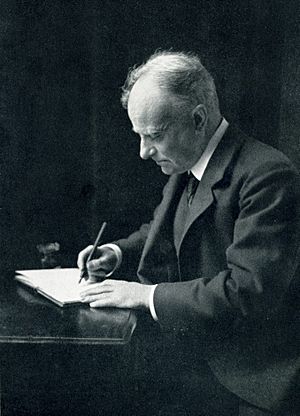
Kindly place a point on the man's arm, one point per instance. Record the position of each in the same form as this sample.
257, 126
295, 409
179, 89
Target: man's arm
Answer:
261, 259
131, 248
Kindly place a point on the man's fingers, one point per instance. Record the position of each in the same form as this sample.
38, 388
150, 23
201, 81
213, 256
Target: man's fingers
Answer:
102, 303
96, 288
94, 298
82, 257
94, 265
95, 277
100, 300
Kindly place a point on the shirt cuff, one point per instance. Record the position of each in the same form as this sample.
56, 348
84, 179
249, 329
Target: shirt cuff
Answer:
151, 303
118, 252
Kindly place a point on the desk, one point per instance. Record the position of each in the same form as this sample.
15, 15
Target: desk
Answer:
26, 317
61, 360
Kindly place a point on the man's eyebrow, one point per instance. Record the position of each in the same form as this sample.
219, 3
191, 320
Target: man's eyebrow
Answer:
163, 126
158, 129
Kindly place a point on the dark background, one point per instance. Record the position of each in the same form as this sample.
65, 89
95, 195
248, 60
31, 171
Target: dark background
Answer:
68, 157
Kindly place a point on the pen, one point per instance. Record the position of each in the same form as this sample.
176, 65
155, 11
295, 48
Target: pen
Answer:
82, 273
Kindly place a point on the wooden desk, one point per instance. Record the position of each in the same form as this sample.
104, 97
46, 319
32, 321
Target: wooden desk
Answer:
26, 317
56, 360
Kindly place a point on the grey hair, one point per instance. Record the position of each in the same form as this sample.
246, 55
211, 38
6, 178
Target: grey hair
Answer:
179, 73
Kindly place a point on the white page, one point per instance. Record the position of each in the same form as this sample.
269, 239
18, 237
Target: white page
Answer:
61, 284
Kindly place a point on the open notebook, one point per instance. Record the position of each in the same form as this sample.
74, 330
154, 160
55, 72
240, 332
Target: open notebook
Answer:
59, 285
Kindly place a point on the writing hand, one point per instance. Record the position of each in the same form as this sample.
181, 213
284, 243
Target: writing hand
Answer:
117, 293
99, 267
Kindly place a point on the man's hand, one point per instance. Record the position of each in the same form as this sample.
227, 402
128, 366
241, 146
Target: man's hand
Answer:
117, 293
98, 268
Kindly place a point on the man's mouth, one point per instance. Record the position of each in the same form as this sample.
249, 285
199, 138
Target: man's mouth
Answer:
161, 162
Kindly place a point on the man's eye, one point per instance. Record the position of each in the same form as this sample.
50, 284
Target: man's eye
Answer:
152, 136
155, 136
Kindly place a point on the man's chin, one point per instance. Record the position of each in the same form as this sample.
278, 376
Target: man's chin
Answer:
167, 167
167, 170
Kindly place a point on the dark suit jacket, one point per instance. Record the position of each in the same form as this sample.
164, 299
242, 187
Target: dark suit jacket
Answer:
231, 283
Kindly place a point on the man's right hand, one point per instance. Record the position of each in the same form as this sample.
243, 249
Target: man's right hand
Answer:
97, 269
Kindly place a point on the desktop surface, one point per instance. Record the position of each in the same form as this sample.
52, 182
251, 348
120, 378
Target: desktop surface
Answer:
27, 317
74, 360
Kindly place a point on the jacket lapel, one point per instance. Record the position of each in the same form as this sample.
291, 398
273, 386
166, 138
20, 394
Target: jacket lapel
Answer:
159, 246
217, 169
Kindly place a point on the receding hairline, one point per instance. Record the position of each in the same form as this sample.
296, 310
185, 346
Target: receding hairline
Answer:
180, 73
174, 102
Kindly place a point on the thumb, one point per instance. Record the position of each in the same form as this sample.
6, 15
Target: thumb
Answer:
94, 265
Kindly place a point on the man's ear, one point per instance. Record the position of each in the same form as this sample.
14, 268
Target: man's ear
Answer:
200, 116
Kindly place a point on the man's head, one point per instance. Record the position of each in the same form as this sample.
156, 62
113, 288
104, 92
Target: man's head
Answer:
173, 106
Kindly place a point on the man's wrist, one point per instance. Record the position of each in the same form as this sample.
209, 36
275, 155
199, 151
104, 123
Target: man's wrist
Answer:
118, 253
151, 303
143, 293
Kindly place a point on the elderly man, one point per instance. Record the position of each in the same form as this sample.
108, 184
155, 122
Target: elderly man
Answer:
218, 261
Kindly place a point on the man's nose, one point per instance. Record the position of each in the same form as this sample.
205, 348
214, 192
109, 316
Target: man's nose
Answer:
146, 149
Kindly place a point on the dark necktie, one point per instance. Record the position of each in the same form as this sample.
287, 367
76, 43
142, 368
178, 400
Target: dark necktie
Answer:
191, 187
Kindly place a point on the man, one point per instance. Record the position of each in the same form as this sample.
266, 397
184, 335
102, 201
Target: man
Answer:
218, 262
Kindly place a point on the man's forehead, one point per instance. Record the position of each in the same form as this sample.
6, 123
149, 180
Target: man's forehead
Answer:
147, 99
146, 89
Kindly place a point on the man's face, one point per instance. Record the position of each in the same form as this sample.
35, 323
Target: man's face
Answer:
167, 131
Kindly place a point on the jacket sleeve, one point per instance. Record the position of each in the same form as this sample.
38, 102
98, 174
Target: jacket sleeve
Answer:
132, 246
261, 260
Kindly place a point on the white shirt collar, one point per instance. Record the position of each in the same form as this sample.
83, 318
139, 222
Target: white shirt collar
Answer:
199, 168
